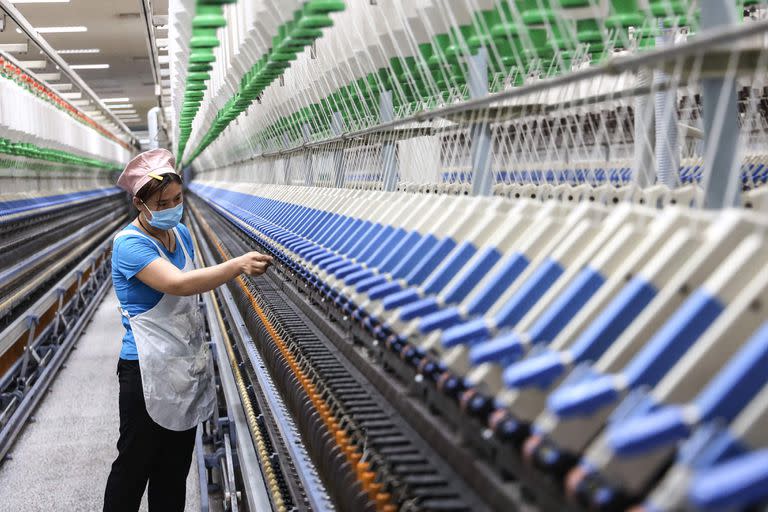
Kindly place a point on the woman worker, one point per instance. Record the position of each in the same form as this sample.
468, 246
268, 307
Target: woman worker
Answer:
165, 369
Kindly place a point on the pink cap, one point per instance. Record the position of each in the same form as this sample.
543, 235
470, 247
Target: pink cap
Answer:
144, 167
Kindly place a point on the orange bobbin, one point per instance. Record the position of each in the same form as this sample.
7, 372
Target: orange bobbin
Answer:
362, 467
382, 500
374, 488
341, 439
354, 458
366, 478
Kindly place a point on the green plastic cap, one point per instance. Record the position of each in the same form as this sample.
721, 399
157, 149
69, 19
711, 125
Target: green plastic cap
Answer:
198, 76
324, 6
315, 21
203, 38
202, 56
208, 16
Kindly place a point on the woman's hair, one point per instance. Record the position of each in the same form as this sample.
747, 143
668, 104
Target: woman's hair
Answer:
154, 186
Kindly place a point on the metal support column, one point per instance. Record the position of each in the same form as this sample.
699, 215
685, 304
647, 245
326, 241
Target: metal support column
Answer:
287, 161
645, 134
337, 126
309, 178
721, 130
480, 132
667, 132
388, 149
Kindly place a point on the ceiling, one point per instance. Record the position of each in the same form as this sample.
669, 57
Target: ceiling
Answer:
116, 29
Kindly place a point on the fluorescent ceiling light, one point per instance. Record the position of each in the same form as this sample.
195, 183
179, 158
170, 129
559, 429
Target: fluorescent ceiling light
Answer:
60, 30
57, 30
121, 105
15, 47
48, 77
78, 50
80, 103
33, 64
124, 112
115, 100
89, 66
71, 95
61, 87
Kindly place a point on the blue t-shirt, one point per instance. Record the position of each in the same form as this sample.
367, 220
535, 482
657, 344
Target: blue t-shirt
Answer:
130, 254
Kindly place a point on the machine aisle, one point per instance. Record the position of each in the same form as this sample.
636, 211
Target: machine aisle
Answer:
61, 460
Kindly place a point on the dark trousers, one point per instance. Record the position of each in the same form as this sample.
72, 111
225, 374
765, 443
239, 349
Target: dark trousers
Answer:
147, 452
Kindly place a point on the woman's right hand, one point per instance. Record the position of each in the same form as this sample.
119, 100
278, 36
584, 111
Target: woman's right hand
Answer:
254, 263
166, 277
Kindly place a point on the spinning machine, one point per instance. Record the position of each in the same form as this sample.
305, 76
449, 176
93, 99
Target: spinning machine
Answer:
520, 248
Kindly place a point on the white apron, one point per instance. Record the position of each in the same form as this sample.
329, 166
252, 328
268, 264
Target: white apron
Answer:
174, 358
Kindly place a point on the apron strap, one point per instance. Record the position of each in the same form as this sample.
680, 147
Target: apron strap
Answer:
180, 241
134, 233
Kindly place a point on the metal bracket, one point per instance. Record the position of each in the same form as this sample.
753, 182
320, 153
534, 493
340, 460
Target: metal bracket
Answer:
337, 125
231, 494
720, 115
480, 133
60, 292
32, 322
389, 148
202, 474
306, 133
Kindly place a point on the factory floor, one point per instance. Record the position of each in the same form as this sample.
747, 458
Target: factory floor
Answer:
61, 461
